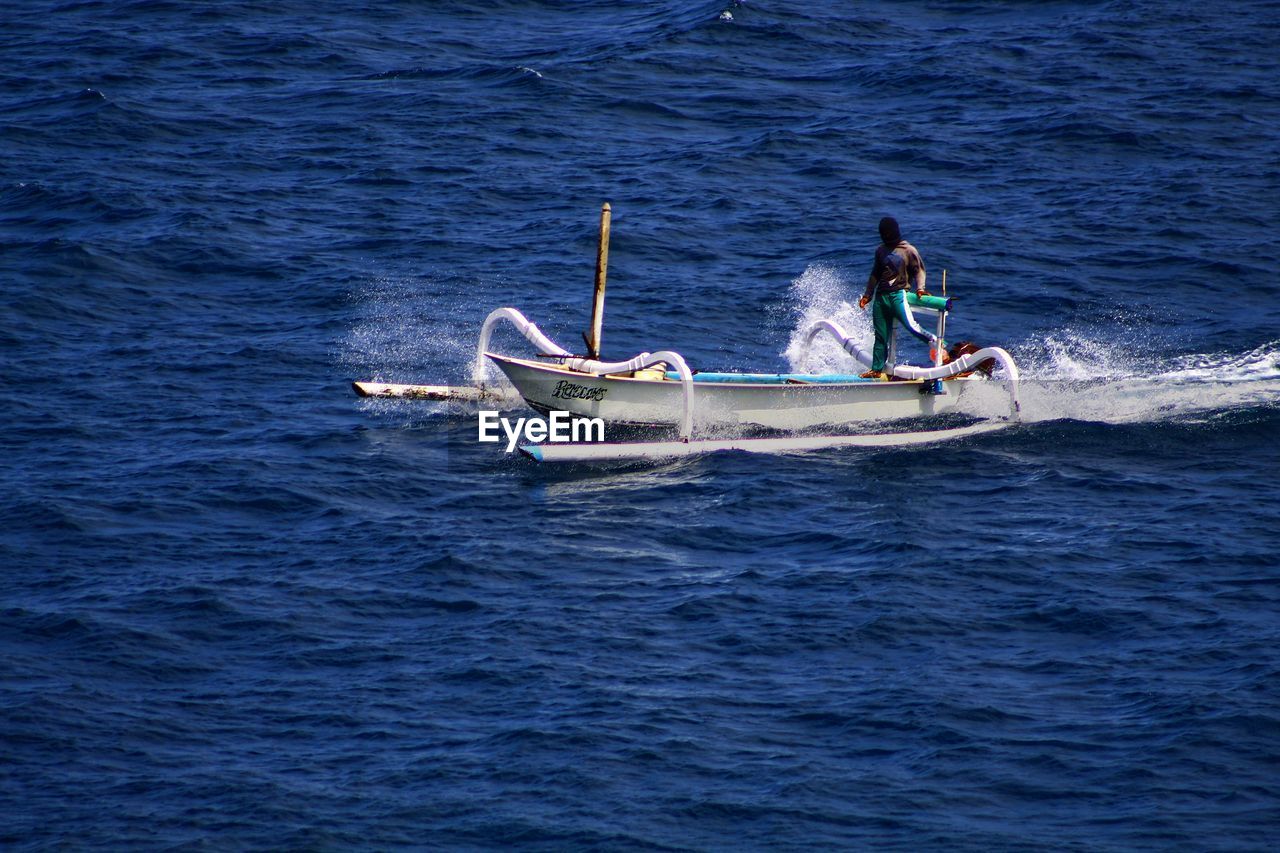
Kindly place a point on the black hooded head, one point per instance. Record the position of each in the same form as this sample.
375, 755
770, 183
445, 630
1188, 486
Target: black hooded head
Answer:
889, 232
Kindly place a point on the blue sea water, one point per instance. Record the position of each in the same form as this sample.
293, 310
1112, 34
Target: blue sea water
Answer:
242, 608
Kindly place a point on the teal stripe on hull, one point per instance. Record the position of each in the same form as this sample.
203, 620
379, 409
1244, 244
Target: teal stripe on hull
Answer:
775, 378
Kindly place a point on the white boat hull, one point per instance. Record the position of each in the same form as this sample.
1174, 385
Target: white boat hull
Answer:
784, 406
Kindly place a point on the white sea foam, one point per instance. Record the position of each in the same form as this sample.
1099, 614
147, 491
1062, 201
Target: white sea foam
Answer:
1069, 355
821, 293
1074, 377
408, 333
405, 332
1260, 363
1066, 375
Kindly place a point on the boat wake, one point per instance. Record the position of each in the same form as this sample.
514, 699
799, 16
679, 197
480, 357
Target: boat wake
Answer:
1066, 375
1074, 378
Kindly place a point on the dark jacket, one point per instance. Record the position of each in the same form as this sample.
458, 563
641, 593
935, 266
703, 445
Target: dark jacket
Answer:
895, 268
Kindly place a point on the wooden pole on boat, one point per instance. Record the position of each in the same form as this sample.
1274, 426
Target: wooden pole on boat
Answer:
602, 269
942, 326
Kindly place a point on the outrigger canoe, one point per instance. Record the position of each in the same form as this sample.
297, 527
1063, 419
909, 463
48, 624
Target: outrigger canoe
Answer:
645, 390
658, 388
786, 401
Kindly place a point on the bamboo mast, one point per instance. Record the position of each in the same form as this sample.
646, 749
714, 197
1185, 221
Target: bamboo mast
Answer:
602, 269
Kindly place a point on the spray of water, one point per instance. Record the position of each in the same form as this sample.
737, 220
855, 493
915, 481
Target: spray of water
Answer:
406, 332
1068, 374
822, 293
1068, 355
1076, 378
409, 332
1260, 363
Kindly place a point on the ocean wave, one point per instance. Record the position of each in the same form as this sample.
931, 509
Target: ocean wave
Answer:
238, 597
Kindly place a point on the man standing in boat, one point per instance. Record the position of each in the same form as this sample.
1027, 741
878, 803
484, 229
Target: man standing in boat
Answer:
897, 266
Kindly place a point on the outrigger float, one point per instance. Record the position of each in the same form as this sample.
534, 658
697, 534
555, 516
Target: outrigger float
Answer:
659, 389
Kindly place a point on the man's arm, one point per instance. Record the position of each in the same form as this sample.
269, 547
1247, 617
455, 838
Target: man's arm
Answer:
871, 281
919, 265
866, 294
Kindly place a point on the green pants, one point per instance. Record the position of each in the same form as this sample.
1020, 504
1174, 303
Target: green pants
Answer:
885, 309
